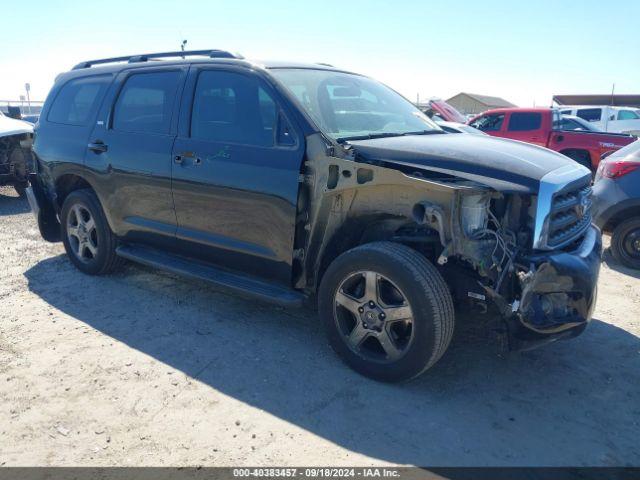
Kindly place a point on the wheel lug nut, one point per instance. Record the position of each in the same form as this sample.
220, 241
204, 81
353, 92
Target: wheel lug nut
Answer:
361, 309
371, 304
365, 325
382, 316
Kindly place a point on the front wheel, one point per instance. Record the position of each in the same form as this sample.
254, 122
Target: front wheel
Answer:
387, 311
625, 243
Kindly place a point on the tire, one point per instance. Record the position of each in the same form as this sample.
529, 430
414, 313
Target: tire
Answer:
99, 251
623, 239
399, 272
581, 157
21, 189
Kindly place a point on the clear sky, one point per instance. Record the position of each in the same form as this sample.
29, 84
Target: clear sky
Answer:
524, 51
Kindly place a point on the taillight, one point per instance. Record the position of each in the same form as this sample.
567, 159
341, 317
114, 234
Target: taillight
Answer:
618, 168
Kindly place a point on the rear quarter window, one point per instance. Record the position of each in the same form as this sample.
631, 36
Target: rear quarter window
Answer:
78, 100
523, 121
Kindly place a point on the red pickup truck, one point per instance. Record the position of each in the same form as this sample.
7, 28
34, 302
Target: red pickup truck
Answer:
542, 126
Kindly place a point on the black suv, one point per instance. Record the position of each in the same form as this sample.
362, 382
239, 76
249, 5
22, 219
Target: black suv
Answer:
294, 182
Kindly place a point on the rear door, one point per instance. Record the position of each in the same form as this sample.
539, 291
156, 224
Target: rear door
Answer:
130, 152
526, 127
235, 173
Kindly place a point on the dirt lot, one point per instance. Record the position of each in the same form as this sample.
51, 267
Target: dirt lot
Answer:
142, 368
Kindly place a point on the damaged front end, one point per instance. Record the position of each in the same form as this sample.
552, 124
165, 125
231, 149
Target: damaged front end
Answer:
16, 138
558, 294
524, 247
544, 262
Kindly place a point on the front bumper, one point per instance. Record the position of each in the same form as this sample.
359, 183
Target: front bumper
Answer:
558, 296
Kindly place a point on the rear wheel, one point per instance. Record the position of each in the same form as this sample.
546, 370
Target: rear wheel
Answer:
86, 235
581, 157
21, 188
625, 243
387, 311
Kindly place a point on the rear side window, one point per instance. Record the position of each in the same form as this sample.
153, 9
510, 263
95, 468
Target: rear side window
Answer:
229, 107
145, 103
523, 121
78, 100
590, 114
489, 123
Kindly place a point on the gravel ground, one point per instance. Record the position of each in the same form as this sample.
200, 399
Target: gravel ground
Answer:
143, 368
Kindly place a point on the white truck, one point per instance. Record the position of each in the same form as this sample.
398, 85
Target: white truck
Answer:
607, 118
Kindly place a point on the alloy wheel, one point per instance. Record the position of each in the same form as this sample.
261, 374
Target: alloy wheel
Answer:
82, 233
374, 317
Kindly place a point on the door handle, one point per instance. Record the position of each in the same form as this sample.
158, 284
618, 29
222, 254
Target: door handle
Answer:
180, 158
559, 138
98, 146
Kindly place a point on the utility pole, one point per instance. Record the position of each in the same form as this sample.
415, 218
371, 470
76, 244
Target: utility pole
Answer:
613, 89
27, 87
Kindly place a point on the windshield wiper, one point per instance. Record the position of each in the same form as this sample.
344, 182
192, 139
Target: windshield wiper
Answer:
370, 136
425, 132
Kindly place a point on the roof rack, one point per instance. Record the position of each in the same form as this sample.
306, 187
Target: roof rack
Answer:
150, 56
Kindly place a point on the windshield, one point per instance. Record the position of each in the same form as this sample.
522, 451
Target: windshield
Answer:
347, 107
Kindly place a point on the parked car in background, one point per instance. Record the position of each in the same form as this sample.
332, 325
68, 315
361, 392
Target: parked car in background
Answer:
616, 203
15, 152
544, 127
299, 183
454, 127
606, 118
31, 118
439, 110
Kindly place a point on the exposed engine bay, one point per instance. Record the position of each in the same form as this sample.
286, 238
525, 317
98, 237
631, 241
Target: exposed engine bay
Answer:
16, 138
481, 239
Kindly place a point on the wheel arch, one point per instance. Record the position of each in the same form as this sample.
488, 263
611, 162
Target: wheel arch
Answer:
67, 183
623, 212
357, 231
572, 153
73, 181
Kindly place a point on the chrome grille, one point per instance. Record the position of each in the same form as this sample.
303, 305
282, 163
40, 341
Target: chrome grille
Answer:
570, 216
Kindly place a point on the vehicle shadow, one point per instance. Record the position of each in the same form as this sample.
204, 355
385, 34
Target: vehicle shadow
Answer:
11, 203
571, 403
613, 264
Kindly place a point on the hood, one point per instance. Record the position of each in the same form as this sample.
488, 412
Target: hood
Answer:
10, 126
504, 165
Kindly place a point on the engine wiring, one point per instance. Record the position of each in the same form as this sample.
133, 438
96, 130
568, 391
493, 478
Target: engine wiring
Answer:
505, 240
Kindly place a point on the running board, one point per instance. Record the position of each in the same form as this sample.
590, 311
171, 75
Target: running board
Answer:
229, 281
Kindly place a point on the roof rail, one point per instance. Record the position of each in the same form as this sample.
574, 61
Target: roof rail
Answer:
150, 56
